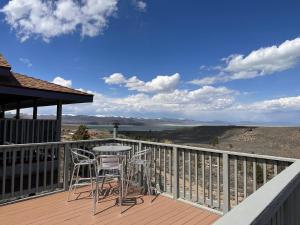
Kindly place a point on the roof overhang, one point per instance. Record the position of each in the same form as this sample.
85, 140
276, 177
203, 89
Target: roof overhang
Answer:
13, 97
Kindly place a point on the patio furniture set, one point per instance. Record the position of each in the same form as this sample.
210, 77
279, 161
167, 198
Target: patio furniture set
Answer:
109, 162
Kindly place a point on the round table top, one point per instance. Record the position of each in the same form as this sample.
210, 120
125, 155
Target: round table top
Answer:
112, 148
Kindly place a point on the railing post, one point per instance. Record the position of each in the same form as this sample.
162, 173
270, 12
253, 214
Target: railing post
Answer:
226, 197
66, 166
140, 168
176, 175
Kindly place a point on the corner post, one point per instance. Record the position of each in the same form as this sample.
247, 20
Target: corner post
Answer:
67, 167
176, 175
226, 181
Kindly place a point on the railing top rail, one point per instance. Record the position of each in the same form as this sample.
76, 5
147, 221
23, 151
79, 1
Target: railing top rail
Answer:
217, 151
14, 119
258, 207
52, 143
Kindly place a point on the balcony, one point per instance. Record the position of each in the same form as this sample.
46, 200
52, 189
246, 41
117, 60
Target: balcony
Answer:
196, 186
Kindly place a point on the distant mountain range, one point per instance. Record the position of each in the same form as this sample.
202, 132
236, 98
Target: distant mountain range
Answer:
102, 120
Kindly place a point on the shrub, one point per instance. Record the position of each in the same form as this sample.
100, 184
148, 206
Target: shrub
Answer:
81, 133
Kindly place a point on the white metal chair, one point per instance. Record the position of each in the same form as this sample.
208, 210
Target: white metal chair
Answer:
109, 167
80, 159
141, 159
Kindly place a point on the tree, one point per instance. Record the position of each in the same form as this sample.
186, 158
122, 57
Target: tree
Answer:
215, 141
81, 133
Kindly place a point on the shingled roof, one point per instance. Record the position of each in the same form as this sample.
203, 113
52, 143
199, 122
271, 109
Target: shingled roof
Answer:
3, 62
16, 88
34, 83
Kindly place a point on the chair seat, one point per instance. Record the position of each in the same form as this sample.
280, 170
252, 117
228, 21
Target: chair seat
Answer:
138, 162
86, 162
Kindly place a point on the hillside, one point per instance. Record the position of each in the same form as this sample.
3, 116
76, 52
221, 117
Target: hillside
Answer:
278, 141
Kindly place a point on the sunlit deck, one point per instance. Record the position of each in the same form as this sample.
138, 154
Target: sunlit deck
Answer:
54, 209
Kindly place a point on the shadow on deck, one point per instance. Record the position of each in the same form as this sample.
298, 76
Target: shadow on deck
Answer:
54, 209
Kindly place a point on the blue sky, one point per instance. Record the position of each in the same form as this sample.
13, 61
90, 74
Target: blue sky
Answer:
205, 60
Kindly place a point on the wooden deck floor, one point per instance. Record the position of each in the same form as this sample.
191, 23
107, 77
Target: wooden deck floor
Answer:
54, 209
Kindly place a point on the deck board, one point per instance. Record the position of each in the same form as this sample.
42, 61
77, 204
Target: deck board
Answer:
54, 209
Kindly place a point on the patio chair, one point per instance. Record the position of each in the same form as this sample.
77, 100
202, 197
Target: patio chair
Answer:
81, 158
109, 167
141, 159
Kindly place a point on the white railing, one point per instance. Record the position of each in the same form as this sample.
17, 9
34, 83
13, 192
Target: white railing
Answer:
276, 203
215, 179
21, 131
212, 178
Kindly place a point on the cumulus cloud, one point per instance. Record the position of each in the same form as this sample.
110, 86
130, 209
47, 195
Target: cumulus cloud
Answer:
261, 62
26, 61
179, 102
161, 83
48, 19
61, 81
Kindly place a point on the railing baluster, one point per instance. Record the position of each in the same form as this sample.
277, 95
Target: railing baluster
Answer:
165, 173
13, 171
265, 171
190, 175
22, 171
210, 180
275, 168
226, 183
236, 180
245, 177
52, 167
4, 174
254, 175
37, 178
218, 182
170, 170
176, 171
30, 169
196, 175
203, 176
183, 172
45, 167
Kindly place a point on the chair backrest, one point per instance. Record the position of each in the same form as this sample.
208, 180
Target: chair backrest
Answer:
79, 155
142, 155
109, 161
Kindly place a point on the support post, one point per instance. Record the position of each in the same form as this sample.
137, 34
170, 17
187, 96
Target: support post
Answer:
176, 175
58, 120
226, 183
18, 111
2, 112
34, 113
67, 167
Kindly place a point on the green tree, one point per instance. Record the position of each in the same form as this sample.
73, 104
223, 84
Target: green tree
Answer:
81, 133
215, 141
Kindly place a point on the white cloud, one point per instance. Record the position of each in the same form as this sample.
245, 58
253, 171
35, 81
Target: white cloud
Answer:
48, 19
161, 83
115, 78
140, 5
61, 81
261, 62
26, 61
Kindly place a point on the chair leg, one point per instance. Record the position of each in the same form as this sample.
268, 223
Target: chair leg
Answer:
77, 178
129, 179
71, 182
